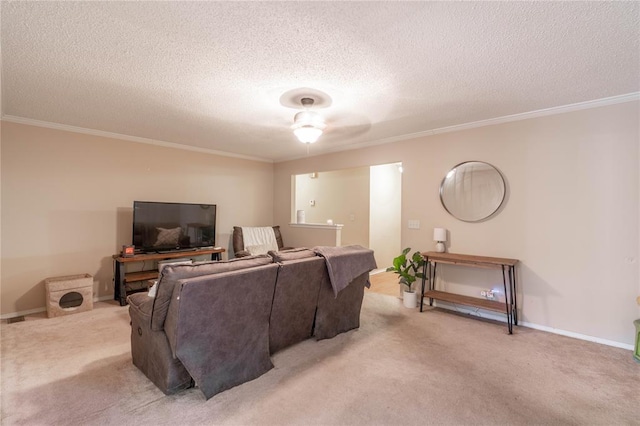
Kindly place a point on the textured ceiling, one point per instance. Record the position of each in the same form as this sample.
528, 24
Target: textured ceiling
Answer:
211, 74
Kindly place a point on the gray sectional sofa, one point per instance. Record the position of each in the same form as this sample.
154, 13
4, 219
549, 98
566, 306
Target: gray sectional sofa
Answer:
215, 324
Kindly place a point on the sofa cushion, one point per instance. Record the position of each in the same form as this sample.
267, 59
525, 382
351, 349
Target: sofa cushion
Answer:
171, 274
292, 254
220, 326
295, 300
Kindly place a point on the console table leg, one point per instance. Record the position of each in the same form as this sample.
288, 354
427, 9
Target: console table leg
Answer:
508, 300
512, 280
432, 283
424, 277
120, 292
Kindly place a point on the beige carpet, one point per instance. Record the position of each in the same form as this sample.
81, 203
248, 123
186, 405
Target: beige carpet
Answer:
400, 367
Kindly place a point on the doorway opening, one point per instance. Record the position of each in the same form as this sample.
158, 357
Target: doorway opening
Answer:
366, 200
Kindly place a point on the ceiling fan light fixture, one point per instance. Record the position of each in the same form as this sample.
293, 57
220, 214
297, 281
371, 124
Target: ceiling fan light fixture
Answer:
307, 134
308, 125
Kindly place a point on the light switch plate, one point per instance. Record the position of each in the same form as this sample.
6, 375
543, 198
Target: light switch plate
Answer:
414, 224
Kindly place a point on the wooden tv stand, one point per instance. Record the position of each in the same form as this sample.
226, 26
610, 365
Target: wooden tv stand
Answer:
509, 307
121, 277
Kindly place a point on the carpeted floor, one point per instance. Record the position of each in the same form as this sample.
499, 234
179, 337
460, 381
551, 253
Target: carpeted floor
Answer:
400, 367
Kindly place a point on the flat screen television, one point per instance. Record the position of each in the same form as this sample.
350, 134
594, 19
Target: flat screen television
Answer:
173, 226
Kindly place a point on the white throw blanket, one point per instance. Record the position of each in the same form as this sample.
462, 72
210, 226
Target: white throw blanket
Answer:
259, 240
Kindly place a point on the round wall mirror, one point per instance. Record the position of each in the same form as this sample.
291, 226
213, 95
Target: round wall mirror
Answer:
472, 191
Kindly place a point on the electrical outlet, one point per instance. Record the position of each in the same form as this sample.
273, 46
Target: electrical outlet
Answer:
489, 294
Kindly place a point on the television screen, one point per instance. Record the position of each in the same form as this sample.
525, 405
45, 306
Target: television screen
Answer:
173, 226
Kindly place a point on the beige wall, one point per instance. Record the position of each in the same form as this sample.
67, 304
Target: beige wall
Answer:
67, 202
571, 213
340, 195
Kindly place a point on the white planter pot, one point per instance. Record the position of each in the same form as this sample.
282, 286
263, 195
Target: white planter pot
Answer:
410, 299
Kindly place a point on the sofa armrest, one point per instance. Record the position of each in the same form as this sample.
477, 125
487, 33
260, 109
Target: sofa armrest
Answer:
150, 350
141, 304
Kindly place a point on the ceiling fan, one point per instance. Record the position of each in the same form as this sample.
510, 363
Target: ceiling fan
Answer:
308, 125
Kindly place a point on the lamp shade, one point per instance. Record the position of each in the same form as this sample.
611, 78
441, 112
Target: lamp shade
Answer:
307, 134
439, 234
308, 126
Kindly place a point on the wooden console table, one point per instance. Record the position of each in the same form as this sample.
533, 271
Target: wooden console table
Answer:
510, 305
121, 277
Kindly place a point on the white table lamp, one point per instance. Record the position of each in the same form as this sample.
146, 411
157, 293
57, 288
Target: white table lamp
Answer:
440, 236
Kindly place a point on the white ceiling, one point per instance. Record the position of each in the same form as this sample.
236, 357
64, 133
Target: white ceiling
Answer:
210, 75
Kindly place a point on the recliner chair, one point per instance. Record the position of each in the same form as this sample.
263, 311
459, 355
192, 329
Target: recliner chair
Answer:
238, 241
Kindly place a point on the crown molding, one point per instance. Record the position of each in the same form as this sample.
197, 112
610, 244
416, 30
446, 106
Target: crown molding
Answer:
629, 97
83, 130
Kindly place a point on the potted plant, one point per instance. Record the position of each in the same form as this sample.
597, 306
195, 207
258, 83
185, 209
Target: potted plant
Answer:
409, 269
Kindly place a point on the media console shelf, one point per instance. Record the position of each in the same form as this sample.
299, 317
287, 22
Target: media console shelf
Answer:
121, 277
510, 305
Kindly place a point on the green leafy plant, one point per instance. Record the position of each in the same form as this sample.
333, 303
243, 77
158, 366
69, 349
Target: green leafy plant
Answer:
409, 268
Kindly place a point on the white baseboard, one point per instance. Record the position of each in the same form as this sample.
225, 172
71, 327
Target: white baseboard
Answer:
502, 318
38, 310
22, 313
578, 336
